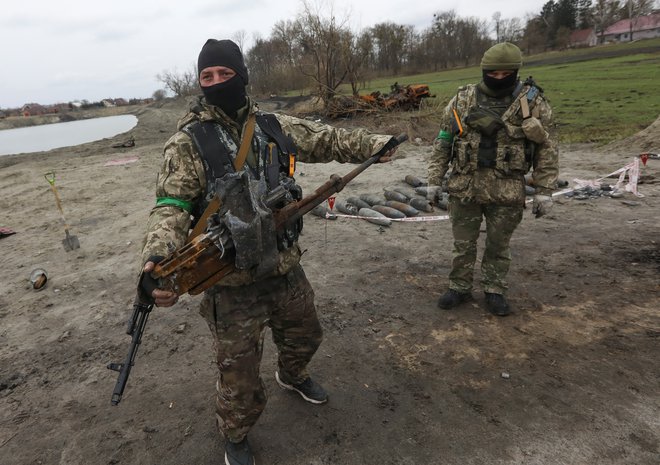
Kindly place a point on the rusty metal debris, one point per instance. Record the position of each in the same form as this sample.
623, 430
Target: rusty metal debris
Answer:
404, 98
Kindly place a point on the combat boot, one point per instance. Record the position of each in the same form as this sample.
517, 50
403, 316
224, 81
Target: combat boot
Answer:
453, 298
497, 304
309, 389
238, 453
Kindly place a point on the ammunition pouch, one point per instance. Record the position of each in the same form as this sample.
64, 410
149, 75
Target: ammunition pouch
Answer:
250, 223
291, 192
530, 151
487, 122
487, 154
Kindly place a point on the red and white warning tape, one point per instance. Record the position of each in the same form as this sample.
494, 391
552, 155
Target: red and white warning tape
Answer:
407, 219
631, 169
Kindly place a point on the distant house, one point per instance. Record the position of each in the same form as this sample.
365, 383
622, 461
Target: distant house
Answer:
583, 38
33, 109
61, 107
108, 103
643, 27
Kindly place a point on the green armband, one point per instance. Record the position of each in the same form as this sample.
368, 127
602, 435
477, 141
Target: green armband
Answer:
182, 204
444, 135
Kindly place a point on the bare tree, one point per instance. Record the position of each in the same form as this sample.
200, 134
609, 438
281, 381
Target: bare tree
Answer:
181, 84
319, 42
239, 37
390, 46
444, 38
355, 53
605, 13
509, 30
497, 25
534, 35
634, 9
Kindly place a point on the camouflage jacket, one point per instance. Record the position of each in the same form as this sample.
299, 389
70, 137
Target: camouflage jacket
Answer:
521, 144
182, 176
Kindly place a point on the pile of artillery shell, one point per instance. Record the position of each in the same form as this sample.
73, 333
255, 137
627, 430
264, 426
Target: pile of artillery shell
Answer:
590, 192
396, 202
323, 212
375, 217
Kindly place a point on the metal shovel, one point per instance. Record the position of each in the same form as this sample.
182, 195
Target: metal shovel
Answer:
70, 242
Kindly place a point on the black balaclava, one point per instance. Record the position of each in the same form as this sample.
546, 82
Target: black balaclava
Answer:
500, 85
230, 95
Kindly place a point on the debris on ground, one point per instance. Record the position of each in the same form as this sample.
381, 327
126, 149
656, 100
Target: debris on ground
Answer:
130, 142
404, 98
4, 232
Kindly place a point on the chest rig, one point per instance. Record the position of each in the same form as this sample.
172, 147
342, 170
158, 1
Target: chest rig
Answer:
274, 163
486, 118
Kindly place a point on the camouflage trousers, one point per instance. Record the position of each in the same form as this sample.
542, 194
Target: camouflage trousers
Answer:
238, 317
501, 222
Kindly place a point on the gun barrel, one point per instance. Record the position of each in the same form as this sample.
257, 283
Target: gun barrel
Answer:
294, 211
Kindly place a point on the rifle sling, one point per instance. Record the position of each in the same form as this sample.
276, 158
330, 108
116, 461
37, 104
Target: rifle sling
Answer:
245, 143
200, 226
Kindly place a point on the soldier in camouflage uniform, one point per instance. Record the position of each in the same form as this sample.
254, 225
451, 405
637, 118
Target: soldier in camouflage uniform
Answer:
492, 134
243, 304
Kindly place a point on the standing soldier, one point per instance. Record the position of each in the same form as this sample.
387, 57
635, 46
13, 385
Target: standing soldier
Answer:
492, 134
224, 138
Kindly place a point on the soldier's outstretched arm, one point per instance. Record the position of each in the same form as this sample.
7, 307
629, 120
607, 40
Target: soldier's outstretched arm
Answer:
320, 143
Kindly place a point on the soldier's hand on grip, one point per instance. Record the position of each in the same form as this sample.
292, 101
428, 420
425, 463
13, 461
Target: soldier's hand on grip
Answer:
542, 205
149, 286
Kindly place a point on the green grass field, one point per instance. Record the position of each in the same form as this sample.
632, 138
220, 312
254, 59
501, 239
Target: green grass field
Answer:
596, 97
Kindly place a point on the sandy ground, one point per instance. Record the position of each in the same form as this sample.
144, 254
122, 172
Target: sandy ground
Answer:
571, 377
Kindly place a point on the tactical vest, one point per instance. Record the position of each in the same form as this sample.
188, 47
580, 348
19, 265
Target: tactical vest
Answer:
486, 117
487, 143
275, 159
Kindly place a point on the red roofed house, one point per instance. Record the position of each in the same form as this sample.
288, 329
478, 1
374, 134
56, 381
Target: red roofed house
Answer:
643, 27
33, 109
582, 38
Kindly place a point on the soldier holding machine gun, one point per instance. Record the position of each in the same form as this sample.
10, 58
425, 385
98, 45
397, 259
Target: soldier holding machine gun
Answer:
241, 162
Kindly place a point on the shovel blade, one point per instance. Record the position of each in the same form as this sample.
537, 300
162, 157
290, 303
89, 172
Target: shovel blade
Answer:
70, 243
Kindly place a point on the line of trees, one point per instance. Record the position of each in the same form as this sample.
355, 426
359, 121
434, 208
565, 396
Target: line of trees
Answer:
318, 49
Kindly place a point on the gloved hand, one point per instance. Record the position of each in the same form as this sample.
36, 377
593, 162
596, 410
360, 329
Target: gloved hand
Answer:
148, 289
542, 205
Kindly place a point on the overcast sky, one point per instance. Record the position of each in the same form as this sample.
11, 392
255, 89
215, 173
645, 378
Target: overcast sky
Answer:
59, 51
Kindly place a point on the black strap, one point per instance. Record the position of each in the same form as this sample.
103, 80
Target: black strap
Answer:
215, 156
272, 165
271, 126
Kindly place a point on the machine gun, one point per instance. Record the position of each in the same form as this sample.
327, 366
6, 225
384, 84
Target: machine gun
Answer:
207, 257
